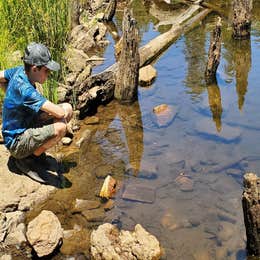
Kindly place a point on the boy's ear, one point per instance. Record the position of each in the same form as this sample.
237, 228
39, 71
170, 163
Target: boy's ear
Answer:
34, 68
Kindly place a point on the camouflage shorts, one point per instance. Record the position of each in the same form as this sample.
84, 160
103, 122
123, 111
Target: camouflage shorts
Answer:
30, 140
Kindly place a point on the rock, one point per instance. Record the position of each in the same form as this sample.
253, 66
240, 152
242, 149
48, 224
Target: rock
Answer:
62, 92
147, 75
109, 205
93, 120
226, 231
163, 115
76, 59
139, 192
17, 237
81, 205
94, 215
44, 233
6, 257
84, 75
84, 139
148, 170
109, 187
66, 140
184, 182
227, 134
101, 171
71, 78
108, 243
75, 241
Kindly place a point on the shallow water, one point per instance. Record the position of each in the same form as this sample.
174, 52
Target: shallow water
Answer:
211, 143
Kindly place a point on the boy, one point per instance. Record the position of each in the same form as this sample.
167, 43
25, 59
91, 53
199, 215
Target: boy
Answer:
31, 123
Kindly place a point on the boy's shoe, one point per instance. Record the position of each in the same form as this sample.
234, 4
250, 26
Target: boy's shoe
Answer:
26, 166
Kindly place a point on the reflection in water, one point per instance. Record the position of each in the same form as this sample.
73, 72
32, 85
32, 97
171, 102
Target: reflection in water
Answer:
214, 97
195, 56
131, 119
242, 64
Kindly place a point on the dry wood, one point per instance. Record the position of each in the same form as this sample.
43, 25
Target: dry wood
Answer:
128, 64
110, 11
251, 209
104, 82
214, 54
242, 14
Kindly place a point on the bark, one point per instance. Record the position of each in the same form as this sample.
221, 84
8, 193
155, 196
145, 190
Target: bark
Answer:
128, 71
110, 11
251, 209
214, 54
242, 14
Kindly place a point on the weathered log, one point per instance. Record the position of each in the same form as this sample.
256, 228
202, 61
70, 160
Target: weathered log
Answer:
242, 14
214, 54
251, 209
105, 90
128, 64
110, 11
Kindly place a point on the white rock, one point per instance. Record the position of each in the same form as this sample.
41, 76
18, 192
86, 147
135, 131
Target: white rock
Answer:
44, 233
147, 75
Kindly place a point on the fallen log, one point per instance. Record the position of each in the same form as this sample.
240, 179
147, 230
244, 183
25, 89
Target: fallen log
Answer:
104, 82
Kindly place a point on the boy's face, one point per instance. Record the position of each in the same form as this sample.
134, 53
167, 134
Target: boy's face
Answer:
40, 74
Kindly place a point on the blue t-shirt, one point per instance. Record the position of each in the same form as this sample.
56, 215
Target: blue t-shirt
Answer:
22, 103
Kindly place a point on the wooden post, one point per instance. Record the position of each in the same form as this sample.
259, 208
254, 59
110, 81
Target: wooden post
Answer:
110, 11
251, 208
214, 54
242, 13
128, 70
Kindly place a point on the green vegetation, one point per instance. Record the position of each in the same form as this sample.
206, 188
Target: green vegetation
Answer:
24, 21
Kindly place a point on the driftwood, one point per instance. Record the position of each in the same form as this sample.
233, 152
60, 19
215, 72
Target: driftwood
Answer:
128, 68
251, 209
110, 11
103, 83
242, 14
214, 54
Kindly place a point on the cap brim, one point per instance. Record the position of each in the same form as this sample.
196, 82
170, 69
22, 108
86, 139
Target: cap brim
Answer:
53, 65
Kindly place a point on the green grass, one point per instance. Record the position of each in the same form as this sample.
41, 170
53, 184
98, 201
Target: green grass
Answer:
24, 21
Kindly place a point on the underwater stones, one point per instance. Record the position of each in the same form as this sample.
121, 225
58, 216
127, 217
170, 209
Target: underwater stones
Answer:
108, 188
107, 242
184, 182
109, 205
81, 205
164, 114
94, 215
84, 139
227, 134
101, 171
139, 192
147, 75
44, 233
93, 120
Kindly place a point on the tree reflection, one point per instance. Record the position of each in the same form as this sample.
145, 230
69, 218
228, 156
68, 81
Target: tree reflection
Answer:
242, 65
214, 98
131, 119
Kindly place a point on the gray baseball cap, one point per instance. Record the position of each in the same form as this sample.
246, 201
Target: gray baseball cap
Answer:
38, 54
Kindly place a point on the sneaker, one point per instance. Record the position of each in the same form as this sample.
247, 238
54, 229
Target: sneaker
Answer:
26, 166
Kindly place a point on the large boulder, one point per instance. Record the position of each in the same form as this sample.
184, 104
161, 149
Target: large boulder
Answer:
107, 242
44, 233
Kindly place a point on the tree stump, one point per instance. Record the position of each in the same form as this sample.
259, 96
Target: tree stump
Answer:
242, 13
128, 70
251, 208
214, 54
110, 11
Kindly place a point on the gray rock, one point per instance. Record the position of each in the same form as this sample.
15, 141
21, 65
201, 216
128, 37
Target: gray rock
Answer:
44, 233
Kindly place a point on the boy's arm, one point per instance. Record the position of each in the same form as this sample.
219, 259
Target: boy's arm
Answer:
54, 110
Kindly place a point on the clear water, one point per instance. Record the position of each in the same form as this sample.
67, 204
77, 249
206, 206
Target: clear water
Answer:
212, 142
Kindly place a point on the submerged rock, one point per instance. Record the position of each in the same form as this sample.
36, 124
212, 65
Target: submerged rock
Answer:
107, 242
44, 233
